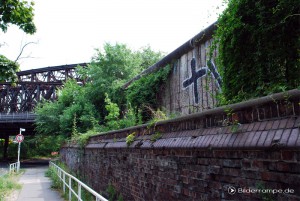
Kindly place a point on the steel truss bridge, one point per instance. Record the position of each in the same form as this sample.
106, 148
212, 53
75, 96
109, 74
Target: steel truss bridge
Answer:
17, 101
34, 86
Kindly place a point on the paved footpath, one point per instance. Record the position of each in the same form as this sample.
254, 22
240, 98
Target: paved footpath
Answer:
36, 186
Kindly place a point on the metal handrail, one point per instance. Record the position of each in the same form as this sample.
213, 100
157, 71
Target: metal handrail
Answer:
62, 175
14, 167
20, 117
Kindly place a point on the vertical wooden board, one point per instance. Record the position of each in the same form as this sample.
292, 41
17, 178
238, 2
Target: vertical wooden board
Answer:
169, 98
170, 93
202, 54
210, 91
198, 66
213, 93
191, 96
160, 97
204, 94
207, 80
202, 82
216, 87
210, 79
184, 74
178, 88
215, 52
166, 96
207, 47
174, 89
170, 88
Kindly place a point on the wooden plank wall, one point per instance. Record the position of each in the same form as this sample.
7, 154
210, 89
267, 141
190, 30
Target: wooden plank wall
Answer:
179, 100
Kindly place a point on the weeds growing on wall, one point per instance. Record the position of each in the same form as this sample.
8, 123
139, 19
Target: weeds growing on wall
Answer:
258, 44
130, 139
113, 194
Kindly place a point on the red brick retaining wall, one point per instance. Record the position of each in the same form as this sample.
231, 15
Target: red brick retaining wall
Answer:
251, 146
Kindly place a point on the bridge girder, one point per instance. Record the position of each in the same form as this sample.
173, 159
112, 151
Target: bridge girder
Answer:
18, 101
51, 74
35, 85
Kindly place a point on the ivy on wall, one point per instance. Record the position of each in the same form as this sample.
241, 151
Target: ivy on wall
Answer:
143, 92
258, 44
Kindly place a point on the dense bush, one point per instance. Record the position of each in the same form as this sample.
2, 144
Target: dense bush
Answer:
258, 45
58, 117
100, 104
110, 69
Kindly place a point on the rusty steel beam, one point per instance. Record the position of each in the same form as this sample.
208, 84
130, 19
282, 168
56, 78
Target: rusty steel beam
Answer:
51, 74
24, 96
35, 85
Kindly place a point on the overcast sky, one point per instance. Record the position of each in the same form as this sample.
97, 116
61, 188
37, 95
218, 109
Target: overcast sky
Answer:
68, 31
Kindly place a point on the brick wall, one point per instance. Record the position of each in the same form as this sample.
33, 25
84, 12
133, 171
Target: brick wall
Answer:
201, 156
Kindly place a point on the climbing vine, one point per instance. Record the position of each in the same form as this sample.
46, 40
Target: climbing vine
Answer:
142, 94
258, 44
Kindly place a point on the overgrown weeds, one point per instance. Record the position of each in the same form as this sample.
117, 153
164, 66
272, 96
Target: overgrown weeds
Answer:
8, 183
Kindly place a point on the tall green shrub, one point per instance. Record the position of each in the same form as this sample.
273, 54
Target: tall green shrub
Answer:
258, 44
110, 69
57, 118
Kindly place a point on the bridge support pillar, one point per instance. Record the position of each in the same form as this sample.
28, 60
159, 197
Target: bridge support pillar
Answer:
5, 147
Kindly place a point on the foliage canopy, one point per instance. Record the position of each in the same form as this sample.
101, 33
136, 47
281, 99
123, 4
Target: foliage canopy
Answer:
100, 104
17, 12
8, 69
58, 117
258, 44
110, 69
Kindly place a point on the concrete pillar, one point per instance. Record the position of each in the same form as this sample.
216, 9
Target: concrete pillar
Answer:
5, 147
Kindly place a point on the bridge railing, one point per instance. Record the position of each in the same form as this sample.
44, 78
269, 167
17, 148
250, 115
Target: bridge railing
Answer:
67, 180
14, 167
20, 117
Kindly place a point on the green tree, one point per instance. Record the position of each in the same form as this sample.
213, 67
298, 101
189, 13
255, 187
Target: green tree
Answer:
258, 45
78, 108
8, 69
111, 68
71, 115
57, 118
19, 13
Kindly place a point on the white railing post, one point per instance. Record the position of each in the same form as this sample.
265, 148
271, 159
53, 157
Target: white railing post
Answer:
80, 185
18, 168
79, 192
64, 182
70, 189
14, 167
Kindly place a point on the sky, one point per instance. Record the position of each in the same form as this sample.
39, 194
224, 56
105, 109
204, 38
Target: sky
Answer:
69, 31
